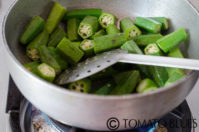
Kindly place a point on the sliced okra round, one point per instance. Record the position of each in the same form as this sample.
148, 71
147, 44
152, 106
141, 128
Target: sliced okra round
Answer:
87, 46
153, 49
146, 85
129, 28
46, 72
32, 49
107, 19
88, 26
82, 86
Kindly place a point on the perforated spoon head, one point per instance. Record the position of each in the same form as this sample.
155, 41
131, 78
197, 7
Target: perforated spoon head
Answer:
90, 67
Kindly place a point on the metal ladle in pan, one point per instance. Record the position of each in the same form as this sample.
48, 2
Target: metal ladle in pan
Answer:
104, 60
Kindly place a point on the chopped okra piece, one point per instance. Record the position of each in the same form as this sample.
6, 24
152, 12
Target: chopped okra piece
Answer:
107, 73
72, 27
172, 40
163, 20
98, 34
119, 76
146, 39
146, 85
71, 52
88, 47
159, 75
32, 67
129, 28
177, 54
48, 58
56, 37
107, 19
106, 89
153, 49
108, 42
81, 13
112, 29
55, 17
148, 24
32, 30
127, 85
60, 60
77, 43
132, 47
32, 48
88, 26
46, 72
83, 86
174, 78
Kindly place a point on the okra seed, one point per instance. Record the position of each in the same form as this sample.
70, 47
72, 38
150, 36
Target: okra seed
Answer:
77, 75
98, 66
82, 90
108, 61
74, 87
89, 70
82, 85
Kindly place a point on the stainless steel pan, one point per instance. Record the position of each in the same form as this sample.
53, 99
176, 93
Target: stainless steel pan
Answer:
91, 111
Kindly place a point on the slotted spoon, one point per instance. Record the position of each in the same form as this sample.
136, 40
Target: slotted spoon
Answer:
107, 59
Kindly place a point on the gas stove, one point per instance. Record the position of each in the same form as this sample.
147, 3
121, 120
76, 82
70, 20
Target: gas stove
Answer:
23, 118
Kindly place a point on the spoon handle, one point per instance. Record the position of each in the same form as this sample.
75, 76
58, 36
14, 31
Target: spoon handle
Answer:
191, 64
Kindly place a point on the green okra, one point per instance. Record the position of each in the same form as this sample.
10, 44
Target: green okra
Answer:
32, 67
56, 37
56, 15
60, 60
72, 27
81, 13
46, 72
146, 85
107, 19
144, 40
159, 75
108, 42
48, 58
88, 47
127, 26
153, 49
107, 73
106, 89
132, 47
77, 43
148, 24
98, 34
177, 54
172, 40
119, 76
35, 26
174, 78
127, 85
112, 29
88, 26
163, 20
71, 52
83, 86
32, 48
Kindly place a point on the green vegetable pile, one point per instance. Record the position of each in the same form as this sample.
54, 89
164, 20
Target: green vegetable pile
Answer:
91, 31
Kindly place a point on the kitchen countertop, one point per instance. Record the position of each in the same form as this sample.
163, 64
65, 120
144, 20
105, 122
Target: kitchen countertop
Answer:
4, 76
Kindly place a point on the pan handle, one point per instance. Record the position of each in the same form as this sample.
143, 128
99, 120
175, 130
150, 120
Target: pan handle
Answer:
191, 64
